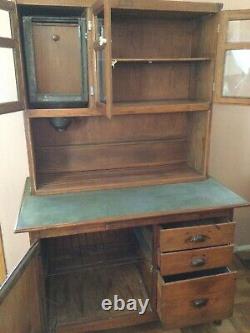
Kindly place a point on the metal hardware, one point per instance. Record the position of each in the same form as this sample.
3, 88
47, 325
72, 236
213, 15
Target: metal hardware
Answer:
198, 238
218, 28
60, 124
213, 86
114, 62
55, 38
86, 35
90, 25
92, 91
199, 303
102, 41
197, 262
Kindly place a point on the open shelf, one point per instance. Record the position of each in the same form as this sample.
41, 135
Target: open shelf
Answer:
128, 150
83, 270
150, 60
163, 106
119, 178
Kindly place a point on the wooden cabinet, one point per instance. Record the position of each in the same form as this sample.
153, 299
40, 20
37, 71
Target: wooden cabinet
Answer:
118, 101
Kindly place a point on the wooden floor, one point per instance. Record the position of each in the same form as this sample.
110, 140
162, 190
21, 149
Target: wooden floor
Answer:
239, 323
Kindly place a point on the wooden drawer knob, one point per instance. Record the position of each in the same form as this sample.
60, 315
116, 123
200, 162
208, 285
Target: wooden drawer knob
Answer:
198, 238
199, 303
197, 262
55, 38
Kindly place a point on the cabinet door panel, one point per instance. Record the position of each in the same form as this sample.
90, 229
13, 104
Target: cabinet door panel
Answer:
232, 68
103, 55
11, 83
21, 309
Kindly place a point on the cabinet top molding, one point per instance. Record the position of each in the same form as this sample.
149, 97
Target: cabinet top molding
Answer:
161, 5
101, 208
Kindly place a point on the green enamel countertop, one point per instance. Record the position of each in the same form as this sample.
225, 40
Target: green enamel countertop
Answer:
40, 212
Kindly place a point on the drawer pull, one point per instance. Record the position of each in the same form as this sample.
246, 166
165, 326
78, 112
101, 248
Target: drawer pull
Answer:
199, 303
198, 239
55, 38
197, 262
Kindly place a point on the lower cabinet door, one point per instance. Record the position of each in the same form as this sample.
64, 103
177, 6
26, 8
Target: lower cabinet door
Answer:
195, 298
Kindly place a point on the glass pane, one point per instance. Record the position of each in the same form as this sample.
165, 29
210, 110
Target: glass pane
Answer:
238, 31
5, 27
237, 74
8, 85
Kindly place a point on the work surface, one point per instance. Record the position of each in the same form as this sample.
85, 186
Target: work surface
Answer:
40, 212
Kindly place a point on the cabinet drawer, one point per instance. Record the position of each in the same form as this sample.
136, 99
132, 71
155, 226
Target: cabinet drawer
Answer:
191, 237
195, 298
194, 260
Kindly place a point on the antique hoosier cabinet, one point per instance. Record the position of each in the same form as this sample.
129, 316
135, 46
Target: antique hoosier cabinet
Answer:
118, 98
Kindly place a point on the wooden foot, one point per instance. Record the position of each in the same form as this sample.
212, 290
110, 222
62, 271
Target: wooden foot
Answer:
217, 322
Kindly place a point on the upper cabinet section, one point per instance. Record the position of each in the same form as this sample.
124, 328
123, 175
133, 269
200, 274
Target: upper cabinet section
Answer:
233, 60
162, 55
11, 84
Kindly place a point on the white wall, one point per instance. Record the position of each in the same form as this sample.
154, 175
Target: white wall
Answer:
229, 163
13, 172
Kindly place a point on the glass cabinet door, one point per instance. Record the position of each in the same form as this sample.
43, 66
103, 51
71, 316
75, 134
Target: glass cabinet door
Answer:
233, 62
103, 57
11, 83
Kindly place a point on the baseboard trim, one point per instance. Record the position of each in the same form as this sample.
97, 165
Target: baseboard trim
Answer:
242, 248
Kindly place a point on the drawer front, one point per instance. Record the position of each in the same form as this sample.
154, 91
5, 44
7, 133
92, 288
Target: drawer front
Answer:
194, 260
196, 301
196, 236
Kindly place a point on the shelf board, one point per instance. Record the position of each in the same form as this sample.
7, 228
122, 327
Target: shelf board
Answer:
75, 298
56, 183
182, 105
151, 60
69, 112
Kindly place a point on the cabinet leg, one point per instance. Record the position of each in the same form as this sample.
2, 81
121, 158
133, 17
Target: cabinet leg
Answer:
217, 322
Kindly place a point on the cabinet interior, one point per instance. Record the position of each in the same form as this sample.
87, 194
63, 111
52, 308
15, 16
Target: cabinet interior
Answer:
162, 57
82, 270
96, 153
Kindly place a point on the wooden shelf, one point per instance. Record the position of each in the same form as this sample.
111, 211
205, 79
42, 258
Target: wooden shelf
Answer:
161, 106
55, 183
151, 60
70, 112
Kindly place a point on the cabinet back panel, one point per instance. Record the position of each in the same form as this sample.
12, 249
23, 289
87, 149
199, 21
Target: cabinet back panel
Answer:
147, 82
94, 130
136, 37
57, 63
110, 156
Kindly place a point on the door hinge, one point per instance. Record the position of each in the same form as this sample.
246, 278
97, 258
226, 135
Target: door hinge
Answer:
92, 91
214, 86
90, 25
218, 28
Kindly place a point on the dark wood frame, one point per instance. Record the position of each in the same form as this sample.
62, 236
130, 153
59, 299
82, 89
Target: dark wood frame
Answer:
43, 99
14, 44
